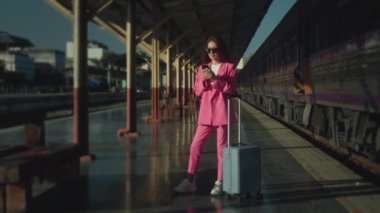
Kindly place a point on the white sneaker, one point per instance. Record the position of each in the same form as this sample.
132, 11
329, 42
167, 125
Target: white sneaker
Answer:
186, 186
217, 189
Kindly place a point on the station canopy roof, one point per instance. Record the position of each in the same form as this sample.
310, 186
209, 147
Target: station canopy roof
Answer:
189, 21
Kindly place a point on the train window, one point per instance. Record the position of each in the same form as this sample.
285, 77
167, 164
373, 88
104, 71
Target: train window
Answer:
298, 87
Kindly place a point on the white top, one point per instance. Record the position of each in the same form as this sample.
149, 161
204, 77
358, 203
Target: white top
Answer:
215, 68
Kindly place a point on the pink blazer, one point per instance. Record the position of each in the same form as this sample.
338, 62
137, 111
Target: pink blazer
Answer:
213, 104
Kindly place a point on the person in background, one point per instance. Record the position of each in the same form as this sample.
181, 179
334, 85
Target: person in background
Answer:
216, 80
298, 87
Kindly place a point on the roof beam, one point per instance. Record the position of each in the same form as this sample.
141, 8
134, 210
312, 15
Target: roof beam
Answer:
174, 42
142, 5
186, 50
192, 57
159, 23
61, 9
69, 14
113, 28
99, 8
217, 21
179, 8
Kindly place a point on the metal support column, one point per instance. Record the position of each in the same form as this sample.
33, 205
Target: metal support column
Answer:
155, 117
81, 132
184, 92
177, 82
178, 104
131, 119
190, 87
189, 70
193, 71
168, 67
189, 100
166, 107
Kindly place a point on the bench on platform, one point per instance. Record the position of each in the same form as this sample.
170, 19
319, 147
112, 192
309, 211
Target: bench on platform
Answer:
21, 166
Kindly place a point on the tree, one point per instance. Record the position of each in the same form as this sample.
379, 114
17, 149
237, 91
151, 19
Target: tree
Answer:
119, 60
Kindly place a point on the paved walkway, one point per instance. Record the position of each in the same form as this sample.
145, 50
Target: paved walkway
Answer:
137, 175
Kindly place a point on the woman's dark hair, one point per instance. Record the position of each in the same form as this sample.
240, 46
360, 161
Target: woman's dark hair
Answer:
221, 48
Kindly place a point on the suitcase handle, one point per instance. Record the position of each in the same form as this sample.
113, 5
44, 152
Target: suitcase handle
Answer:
229, 118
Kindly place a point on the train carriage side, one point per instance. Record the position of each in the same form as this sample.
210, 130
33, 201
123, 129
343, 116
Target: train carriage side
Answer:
319, 69
268, 78
344, 61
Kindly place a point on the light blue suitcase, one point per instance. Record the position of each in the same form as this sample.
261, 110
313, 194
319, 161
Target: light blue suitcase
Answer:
241, 166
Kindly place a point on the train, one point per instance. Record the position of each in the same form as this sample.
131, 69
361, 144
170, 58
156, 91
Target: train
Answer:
319, 70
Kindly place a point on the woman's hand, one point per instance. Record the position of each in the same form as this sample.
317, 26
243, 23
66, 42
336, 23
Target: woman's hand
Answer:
208, 74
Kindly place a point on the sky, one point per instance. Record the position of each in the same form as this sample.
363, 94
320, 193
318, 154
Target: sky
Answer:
38, 22
274, 15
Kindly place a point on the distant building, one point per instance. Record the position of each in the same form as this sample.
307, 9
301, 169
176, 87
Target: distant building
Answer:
10, 42
18, 62
55, 58
96, 51
11, 53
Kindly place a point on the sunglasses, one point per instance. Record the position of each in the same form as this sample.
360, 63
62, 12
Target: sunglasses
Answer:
212, 50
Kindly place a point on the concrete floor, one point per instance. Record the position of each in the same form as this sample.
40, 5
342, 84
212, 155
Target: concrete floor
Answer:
137, 175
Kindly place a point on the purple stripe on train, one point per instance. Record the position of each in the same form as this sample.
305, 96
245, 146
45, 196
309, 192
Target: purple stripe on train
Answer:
357, 101
349, 99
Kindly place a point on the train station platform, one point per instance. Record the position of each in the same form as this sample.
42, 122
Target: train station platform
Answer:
138, 175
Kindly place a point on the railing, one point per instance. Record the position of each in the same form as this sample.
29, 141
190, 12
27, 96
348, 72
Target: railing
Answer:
16, 109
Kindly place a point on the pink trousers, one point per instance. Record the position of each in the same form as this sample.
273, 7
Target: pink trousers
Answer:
200, 139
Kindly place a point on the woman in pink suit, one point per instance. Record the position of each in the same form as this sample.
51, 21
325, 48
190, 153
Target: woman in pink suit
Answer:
215, 81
